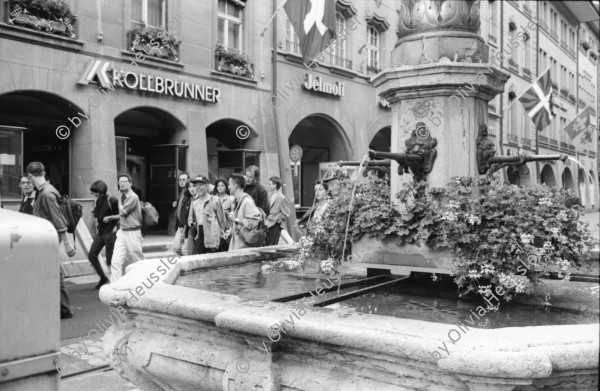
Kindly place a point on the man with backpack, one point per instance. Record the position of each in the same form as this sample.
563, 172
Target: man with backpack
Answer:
47, 206
129, 236
106, 232
248, 220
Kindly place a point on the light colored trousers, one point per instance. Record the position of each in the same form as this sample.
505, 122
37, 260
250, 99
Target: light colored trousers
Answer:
180, 243
127, 243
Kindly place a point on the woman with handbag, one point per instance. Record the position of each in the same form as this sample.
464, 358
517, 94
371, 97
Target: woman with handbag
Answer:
245, 217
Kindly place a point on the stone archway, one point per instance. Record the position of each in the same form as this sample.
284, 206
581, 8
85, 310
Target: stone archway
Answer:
567, 179
39, 126
547, 176
151, 146
322, 141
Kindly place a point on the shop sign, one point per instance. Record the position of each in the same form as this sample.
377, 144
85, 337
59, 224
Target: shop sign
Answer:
317, 84
110, 78
295, 153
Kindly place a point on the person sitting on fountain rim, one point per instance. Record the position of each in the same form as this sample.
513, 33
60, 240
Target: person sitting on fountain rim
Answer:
308, 214
322, 195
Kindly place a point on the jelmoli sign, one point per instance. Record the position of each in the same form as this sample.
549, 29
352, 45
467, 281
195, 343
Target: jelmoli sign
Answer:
317, 84
99, 70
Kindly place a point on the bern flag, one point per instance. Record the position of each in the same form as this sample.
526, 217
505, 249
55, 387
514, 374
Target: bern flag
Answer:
578, 124
537, 101
314, 22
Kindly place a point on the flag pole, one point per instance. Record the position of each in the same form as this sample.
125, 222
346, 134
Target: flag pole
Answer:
271, 20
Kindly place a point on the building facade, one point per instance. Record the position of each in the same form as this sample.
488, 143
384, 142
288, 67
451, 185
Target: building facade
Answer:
154, 87
534, 37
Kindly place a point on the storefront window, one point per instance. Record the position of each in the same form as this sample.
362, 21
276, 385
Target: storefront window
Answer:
230, 25
151, 12
11, 162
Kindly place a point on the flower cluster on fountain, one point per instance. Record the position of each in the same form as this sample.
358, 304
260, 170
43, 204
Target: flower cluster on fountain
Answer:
502, 235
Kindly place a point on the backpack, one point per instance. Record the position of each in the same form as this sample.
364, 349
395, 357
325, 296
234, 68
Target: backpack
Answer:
254, 237
72, 211
149, 215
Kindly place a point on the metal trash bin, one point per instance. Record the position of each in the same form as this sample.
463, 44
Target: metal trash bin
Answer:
29, 303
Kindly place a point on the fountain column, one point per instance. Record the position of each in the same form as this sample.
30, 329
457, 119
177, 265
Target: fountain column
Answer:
440, 77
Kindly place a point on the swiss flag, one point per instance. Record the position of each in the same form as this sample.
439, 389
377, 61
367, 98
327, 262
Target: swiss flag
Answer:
314, 22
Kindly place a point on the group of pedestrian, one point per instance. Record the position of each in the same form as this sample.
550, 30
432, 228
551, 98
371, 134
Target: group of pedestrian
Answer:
207, 220
119, 223
210, 221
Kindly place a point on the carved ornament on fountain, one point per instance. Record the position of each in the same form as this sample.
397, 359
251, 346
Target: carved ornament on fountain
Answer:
417, 16
439, 31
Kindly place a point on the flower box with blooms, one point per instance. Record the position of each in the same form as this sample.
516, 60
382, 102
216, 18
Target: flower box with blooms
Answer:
154, 41
527, 72
593, 55
488, 231
564, 92
572, 97
234, 63
52, 16
513, 63
554, 85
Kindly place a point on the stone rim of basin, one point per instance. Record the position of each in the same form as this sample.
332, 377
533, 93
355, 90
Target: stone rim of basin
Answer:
524, 352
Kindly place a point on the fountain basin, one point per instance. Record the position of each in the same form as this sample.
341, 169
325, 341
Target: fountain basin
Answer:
387, 254
178, 338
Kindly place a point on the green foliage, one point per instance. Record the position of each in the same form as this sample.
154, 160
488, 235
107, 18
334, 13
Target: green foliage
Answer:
233, 62
155, 41
46, 9
502, 235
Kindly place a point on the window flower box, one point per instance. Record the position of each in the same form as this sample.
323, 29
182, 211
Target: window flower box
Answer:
51, 16
228, 61
527, 10
581, 102
154, 41
593, 55
572, 98
513, 64
527, 72
585, 45
512, 26
564, 92
373, 70
555, 85
513, 139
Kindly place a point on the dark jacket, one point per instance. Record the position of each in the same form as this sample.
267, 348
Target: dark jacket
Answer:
27, 203
106, 206
260, 195
183, 211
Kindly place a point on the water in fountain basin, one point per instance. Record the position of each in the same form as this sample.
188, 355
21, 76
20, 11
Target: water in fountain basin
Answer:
571, 303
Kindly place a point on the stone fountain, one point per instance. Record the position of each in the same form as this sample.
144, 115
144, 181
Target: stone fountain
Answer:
179, 338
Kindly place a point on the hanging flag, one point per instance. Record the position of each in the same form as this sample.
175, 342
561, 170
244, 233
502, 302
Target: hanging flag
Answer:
579, 124
314, 22
537, 101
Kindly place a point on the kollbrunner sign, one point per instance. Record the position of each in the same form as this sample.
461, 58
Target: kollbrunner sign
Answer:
139, 81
